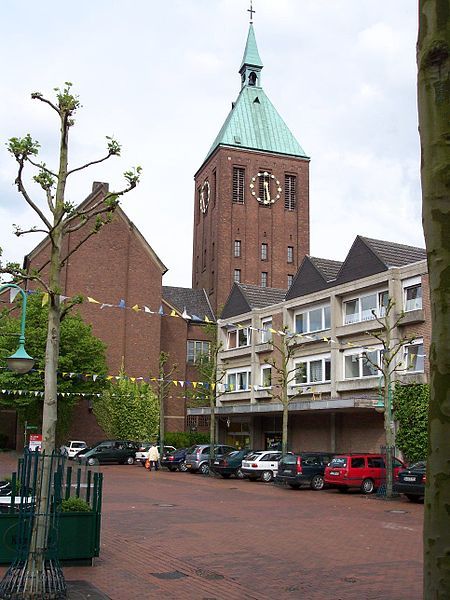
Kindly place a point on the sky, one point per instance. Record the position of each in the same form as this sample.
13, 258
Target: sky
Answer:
160, 77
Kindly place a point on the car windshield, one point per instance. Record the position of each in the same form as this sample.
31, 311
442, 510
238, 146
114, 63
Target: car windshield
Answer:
289, 459
78, 445
233, 453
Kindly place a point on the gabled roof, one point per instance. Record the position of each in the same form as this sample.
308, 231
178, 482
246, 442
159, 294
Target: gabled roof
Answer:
393, 254
328, 268
253, 123
245, 297
366, 257
100, 189
195, 302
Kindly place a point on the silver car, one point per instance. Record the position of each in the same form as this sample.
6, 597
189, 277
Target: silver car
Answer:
197, 458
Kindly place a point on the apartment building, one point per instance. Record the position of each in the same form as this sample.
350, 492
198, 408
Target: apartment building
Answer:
328, 315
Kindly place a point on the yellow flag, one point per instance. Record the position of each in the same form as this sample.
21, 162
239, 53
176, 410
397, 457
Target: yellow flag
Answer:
93, 301
44, 299
173, 313
135, 308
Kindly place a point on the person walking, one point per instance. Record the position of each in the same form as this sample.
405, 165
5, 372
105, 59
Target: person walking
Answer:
153, 457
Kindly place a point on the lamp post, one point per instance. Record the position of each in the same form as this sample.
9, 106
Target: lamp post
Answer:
20, 362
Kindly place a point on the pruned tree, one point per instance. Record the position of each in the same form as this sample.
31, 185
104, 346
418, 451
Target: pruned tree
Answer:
163, 385
58, 218
286, 374
388, 364
210, 387
433, 61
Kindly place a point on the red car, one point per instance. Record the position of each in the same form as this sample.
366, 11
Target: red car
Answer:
358, 470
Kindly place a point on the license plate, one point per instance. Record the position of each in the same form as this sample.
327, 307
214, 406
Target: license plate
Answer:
409, 478
334, 473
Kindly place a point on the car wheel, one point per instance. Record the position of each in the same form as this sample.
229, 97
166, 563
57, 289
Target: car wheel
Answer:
130, 460
226, 475
204, 469
239, 474
367, 486
182, 467
414, 498
294, 486
267, 476
317, 483
91, 462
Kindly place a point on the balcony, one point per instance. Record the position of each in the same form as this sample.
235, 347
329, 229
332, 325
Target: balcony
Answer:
263, 347
236, 352
413, 316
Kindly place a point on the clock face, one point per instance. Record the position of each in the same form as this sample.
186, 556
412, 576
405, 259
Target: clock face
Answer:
204, 196
266, 188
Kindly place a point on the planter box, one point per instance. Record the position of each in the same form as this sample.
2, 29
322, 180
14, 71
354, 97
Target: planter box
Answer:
79, 536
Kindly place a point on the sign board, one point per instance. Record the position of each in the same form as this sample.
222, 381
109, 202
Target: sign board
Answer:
35, 441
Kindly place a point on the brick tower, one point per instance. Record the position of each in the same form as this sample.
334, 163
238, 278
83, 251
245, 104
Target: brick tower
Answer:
251, 216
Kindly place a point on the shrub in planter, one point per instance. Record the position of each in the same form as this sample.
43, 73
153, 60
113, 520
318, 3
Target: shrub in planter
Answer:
75, 504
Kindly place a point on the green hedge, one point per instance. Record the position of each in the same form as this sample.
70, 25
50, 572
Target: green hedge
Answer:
411, 413
181, 439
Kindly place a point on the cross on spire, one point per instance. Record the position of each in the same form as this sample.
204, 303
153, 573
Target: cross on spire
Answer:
251, 11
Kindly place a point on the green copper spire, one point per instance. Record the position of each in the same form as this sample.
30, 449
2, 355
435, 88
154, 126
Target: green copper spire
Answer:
251, 55
253, 122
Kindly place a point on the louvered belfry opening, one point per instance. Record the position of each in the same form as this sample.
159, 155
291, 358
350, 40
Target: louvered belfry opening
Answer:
238, 184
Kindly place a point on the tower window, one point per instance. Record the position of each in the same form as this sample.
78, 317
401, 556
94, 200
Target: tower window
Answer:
237, 248
237, 275
264, 278
290, 195
252, 78
290, 280
214, 187
290, 254
264, 251
238, 185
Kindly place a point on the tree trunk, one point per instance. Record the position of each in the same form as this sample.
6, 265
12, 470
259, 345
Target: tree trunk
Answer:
433, 61
212, 426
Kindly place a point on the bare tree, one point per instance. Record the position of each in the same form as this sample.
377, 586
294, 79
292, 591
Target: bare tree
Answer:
286, 375
388, 364
163, 386
433, 61
57, 219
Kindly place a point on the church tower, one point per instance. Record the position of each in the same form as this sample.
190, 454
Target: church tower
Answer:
251, 218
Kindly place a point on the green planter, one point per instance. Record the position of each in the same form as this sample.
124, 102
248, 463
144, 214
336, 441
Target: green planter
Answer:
79, 536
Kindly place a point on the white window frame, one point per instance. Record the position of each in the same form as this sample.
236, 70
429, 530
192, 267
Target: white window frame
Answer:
357, 317
199, 347
266, 335
359, 354
237, 275
237, 248
240, 332
264, 279
407, 284
307, 312
421, 356
264, 251
263, 369
307, 360
232, 388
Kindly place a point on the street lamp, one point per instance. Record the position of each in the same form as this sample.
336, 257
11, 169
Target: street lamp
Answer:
20, 362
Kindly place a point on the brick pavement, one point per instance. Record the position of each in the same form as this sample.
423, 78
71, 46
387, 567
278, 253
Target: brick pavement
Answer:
179, 536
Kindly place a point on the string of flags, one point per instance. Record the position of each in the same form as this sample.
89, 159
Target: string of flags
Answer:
40, 393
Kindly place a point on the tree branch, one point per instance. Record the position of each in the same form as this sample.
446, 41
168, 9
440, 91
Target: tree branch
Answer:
89, 164
29, 201
40, 97
42, 167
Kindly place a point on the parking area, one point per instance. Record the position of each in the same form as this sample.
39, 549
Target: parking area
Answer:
183, 536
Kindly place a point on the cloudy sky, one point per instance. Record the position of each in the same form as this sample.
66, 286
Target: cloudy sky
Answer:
161, 76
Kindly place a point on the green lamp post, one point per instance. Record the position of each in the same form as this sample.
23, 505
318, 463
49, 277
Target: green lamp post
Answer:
20, 361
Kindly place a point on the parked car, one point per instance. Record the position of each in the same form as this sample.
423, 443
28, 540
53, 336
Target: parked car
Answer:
109, 451
197, 458
175, 460
144, 447
261, 465
411, 481
72, 447
304, 468
358, 470
231, 463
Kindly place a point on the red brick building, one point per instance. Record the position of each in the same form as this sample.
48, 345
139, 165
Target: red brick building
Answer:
251, 219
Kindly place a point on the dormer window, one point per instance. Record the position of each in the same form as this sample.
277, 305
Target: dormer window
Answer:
252, 78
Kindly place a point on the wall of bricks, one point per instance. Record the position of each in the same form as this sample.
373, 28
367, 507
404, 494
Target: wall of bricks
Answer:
253, 224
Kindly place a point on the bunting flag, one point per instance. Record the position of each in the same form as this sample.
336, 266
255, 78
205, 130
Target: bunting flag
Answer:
12, 294
44, 299
39, 393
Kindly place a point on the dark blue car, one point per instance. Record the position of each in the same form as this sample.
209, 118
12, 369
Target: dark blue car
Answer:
175, 461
